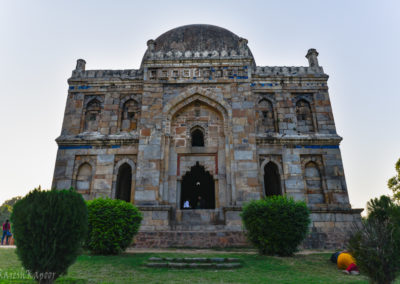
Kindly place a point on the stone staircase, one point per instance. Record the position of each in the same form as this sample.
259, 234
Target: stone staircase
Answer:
192, 239
194, 263
206, 228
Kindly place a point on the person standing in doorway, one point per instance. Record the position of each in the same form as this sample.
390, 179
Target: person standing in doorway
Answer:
6, 231
201, 204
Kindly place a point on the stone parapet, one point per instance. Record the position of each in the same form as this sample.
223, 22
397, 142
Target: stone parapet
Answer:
107, 74
206, 54
293, 71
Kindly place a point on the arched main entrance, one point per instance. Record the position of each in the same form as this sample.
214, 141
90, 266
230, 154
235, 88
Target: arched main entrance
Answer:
198, 183
124, 182
272, 180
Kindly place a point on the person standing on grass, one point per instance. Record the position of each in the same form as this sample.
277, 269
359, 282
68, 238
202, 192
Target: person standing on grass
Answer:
6, 231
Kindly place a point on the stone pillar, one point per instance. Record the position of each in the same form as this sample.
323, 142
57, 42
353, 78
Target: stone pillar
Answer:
216, 188
80, 65
312, 56
165, 174
178, 193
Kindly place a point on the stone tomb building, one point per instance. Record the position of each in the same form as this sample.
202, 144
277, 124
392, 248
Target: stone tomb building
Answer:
199, 118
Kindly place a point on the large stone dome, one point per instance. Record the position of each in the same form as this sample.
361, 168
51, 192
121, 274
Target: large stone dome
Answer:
197, 38
198, 41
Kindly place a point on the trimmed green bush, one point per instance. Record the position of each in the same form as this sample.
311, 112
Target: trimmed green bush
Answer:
376, 245
112, 225
49, 229
276, 225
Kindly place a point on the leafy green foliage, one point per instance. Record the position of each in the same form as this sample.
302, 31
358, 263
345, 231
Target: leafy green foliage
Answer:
394, 182
49, 229
6, 208
376, 246
112, 225
276, 224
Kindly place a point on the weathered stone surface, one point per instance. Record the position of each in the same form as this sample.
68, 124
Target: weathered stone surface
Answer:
160, 215
243, 155
145, 195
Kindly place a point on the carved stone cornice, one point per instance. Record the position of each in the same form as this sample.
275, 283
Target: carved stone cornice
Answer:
97, 140
311, 139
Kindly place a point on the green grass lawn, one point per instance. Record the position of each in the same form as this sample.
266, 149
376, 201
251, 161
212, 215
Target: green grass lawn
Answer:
129, 268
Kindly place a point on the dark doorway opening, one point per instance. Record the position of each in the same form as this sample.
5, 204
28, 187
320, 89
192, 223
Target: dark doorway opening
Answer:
272, 180
197, 138
124, 182
198, 183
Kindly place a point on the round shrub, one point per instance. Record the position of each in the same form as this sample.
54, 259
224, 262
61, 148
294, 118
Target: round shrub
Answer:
276, 225
49, 229
112, 225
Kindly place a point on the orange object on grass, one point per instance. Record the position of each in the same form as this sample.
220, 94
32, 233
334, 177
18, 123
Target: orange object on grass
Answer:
344, 260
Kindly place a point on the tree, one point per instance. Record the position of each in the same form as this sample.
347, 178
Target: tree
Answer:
376, 246
49, 229
6, 208
394, 182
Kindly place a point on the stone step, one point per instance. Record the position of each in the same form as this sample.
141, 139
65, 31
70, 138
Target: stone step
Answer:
199, 217
190, 239
193, 265
202, 228
194, 259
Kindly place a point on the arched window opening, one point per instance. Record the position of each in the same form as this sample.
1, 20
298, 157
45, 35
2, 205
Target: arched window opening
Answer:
130, 115
198, 190
272, 180
124, 182
92, 115
314, 184
84, 178
304, 117
266, 118
197, 138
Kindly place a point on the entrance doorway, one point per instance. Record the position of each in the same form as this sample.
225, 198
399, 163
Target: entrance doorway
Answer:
124, 182
272, 180
198, 189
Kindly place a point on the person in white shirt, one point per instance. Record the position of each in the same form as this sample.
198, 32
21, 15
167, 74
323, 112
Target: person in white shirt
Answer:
186, 204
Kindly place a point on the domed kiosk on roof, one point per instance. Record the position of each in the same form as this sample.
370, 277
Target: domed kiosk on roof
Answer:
197, 131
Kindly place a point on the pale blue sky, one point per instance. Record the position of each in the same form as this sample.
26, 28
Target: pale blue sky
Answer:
358, 42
